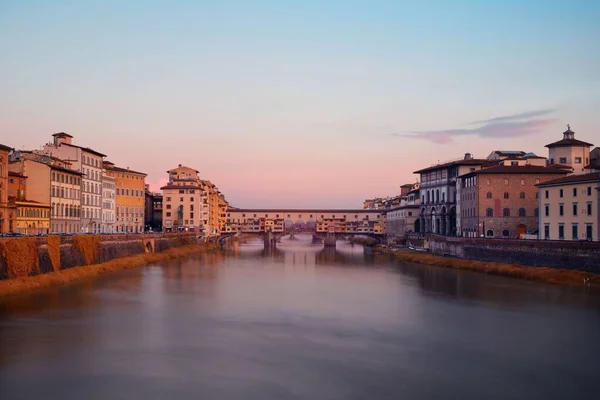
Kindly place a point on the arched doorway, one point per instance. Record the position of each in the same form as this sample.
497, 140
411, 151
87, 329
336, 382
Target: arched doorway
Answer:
417, 225
521, 230
443, 220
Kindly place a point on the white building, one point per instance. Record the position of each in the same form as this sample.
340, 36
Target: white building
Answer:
88, 162
185, 204
108, 204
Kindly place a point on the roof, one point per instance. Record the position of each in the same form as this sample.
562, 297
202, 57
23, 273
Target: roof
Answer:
304, 210
127, 170
62, 134
12, 173
86, 149
5, 148
67, 170
573, 179
509, 152
532, 155
568, 143
181, 187
183, 166
457, 162
520, 169
25, 201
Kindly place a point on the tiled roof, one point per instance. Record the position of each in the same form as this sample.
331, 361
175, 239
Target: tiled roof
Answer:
181, 187
5, 148
113, 167
569, 143
482, 162
86, 149
521, 169
594, 177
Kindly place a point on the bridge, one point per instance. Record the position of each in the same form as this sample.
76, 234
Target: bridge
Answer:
325, 224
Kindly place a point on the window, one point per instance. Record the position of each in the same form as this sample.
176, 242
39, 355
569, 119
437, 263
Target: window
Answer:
589, 190
514, 163
577, 160
574, 192
489, 233
574, 231
561, 210
536, 212
488, 182
489, 195
588, 231
506, 181
574, 209
521, 212
546, 231
489, 212
522, 195
168, 206
561, 231
506, 212
506, 195
537, 195
562, 160
505, 233
560, 193
181, 199
168, 198
546, 194
589, 208
522, 182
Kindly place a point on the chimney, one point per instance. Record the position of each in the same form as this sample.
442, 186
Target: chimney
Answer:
468, 156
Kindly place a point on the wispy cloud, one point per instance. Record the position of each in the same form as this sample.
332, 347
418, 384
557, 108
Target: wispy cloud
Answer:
506, 126
525, 115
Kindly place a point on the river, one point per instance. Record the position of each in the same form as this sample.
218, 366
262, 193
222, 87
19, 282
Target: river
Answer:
301, 322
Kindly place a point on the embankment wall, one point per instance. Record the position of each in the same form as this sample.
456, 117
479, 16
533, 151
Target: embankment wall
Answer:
30, 256
581, 255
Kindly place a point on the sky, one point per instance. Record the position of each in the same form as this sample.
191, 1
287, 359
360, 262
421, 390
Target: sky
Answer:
304, 103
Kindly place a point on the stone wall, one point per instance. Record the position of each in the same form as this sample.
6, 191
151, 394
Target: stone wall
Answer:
580, 255
28, 256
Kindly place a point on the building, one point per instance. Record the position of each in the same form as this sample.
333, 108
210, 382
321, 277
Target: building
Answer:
130, 188
53, 177
109, 210
594, 165
89, 163
405, 217
516, 157
570, 151
502, 201
223, 207
212, 195
570, 208
153, 210
440, 204
185, 205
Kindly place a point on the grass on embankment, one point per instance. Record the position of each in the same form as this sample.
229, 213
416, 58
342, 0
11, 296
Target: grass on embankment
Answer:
66, 276
540, 274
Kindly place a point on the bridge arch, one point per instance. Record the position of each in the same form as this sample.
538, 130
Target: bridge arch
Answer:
311, 225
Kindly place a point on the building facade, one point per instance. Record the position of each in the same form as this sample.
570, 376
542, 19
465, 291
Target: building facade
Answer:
153, 210
89, 163
109, 217
570, 208
130, 188
440, 204
405, 217
570, 151
502, 201
7, 214
185, 205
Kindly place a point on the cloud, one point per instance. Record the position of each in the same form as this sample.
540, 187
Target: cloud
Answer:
525, 115
501, 127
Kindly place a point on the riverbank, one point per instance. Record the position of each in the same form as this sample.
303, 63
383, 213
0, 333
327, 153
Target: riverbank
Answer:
10, 287
540, 274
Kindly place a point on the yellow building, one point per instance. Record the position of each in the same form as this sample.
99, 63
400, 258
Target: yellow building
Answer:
33, 218
223, 206
212, 194
129, 201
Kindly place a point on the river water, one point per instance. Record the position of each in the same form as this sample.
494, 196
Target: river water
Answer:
301, 322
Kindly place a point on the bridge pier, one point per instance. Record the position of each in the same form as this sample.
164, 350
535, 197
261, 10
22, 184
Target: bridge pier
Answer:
330, 240
270, 240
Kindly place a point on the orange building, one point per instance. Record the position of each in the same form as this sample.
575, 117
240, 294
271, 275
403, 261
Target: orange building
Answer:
130, 198
7, 212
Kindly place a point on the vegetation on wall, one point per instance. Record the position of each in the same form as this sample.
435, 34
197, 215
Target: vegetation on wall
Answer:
53, 243
22, 257
88, 247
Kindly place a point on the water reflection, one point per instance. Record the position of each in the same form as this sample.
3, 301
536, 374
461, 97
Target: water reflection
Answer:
300, 321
